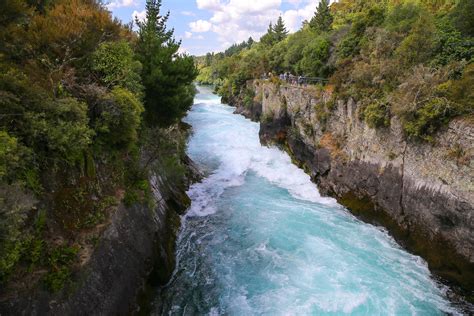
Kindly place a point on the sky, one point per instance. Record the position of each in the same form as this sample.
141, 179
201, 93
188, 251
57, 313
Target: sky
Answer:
213, 25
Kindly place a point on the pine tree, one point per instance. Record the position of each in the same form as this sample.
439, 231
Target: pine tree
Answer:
280, 30
167, 75
322, 19
269, 37
250, 42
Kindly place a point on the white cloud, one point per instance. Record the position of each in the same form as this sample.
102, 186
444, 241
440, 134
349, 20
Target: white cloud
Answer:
200, 26
121, 3
141, 16
213, 5
293, 18
190, 35
295, 2
188, 13
236, 20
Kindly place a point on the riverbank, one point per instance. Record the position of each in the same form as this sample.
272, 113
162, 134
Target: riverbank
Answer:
260, 239
134, 243
421, 192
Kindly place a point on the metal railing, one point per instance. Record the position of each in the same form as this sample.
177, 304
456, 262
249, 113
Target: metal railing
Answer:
300, 80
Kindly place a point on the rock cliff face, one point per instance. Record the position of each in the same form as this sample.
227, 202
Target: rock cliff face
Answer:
423, 193
138, 241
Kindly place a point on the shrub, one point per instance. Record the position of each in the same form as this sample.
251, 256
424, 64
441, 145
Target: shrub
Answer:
422, 103
418, 46
351, 44
9, 156
450, 45
460, 91
115, 64
315, 56
402, 16
59, 275
248, 99
120, 119
463, 16
377, 115
14, 207
427, 119
62, 129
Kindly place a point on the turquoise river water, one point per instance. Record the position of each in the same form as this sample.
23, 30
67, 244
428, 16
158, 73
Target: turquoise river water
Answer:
260, 240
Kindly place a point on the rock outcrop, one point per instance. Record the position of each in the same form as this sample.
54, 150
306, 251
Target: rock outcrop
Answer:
423, 193
138, 242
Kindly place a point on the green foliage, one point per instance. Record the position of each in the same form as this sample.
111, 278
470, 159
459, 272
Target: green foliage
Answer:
269, 37
57, 279
62, 129
276, 57
402, 16
295, 46
233, 49
377, 115
322, 19
463, 17
460, 91
417, 47
115, 65
9, 156
279, 30
426, 120
315, 57
449, 44
120, 119
72, 83
351, 43
59, 275
167, 75
275, 33
15, 245
413, 55
428, 102
249, 96
205, 76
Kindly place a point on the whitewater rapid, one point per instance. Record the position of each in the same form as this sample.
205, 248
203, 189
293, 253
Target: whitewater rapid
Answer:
259, 239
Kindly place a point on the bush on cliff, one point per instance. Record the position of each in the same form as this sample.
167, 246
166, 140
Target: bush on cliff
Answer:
377, 115
72, 85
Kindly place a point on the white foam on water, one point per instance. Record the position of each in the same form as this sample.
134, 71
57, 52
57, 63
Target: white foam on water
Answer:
277, 247
236, 144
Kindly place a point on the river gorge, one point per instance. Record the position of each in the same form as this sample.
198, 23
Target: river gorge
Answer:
259, 239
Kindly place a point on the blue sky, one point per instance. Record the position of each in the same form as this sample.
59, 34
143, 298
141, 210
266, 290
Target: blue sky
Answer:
213, 25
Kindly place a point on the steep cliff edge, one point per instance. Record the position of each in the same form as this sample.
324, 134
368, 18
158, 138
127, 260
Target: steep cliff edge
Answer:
423, 193
136, 243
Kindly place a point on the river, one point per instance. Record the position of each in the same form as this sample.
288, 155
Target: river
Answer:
259, 239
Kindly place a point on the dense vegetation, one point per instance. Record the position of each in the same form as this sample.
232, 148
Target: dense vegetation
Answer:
81, 96
407, 58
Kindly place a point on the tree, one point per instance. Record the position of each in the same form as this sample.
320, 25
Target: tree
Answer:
167, 75
322, 19
315, 56
275, 33
250, 42
280, 30
463, 15
115, 64
120, 119
269, 37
